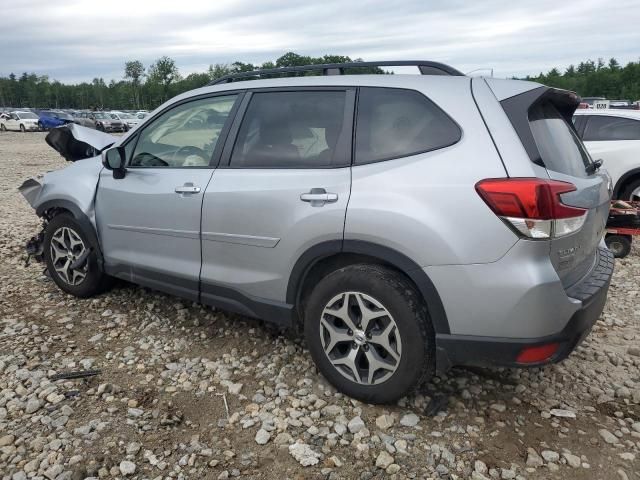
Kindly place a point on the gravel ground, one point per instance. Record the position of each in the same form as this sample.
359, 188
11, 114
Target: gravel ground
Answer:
191, 392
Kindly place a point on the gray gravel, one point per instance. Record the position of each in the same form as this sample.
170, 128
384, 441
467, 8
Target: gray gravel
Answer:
188, 392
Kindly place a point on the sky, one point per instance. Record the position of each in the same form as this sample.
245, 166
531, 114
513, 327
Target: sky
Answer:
78, 40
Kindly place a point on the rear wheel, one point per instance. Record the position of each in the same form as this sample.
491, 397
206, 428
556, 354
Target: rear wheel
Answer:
620, 245
369, 333
72, 258
3, 128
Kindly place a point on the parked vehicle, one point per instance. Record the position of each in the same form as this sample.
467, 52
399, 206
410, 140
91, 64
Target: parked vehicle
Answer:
20, 121
404, 223
48, 119
102, 121
614, 137
128, 120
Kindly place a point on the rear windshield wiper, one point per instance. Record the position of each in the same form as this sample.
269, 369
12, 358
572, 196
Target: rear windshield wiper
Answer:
594, 166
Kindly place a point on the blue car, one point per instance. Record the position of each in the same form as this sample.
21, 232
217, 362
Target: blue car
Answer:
48, 119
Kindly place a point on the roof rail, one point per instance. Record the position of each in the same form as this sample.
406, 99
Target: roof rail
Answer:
426, 68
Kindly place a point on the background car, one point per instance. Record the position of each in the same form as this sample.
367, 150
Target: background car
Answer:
614, 136
52, 118
102, 121
127, 119
20, 121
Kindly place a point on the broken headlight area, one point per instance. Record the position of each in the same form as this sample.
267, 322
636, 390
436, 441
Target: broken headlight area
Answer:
35, 246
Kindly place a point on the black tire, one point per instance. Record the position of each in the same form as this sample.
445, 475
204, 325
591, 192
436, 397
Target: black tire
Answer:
626, 193
95, 281
22, 129
620, 245
398, 296
3, 128
40, 127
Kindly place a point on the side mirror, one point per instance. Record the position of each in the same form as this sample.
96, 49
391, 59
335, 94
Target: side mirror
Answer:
114, 159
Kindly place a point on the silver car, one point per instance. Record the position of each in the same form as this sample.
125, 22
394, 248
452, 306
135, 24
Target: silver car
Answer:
404, 224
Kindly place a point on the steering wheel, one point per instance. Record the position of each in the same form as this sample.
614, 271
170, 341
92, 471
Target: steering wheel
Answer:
184, 152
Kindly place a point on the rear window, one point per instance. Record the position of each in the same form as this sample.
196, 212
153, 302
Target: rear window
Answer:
604, 128
560, 148
396, 123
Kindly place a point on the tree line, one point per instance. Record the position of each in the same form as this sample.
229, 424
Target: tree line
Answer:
147, 87
596, 79
140, 87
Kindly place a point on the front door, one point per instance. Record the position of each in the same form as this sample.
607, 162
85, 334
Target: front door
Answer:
282, 189
149, 221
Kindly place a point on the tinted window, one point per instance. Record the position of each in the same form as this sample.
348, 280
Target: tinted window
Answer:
184, 136
293, 130
600, 127
396, 123
560, 148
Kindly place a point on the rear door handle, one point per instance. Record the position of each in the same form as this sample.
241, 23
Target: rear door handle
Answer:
187, 188
318, 197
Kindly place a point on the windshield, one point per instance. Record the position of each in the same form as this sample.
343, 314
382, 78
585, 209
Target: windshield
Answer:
102, 115
125, 115
27, 116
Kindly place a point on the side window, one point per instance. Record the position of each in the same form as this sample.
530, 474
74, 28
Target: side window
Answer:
305, 129
396, 123
602, 128
184, 136
14, 116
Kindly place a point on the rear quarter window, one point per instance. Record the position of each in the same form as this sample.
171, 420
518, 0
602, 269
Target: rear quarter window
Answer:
393, 123
560, 148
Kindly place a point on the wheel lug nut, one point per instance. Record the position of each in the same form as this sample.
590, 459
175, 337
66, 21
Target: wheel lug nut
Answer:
368, 336
350, 332
354, 345
365, 347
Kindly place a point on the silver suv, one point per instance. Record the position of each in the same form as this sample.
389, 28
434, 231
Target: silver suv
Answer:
405, 223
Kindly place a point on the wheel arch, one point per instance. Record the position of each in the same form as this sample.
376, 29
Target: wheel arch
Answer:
633, 174
332, 255
52, 208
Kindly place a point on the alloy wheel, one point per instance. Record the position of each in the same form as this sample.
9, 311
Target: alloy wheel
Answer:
66, 248
360, 338
635, 195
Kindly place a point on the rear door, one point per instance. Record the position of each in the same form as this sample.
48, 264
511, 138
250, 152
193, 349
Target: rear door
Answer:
615, 140
565, 158
282, 187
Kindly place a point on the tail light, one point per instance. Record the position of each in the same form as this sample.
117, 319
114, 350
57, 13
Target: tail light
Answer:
532, 206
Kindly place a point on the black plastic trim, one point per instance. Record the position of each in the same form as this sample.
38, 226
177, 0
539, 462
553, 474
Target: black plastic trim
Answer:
398, 260
229, 299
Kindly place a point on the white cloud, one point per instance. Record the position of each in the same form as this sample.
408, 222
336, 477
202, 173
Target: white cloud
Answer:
78, 40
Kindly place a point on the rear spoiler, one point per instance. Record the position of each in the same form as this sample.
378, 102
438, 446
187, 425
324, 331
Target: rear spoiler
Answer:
517, 109
75, 142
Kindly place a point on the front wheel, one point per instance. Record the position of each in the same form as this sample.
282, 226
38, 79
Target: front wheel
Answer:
40, 127
72, 258
3, 128
369, 333
22, 129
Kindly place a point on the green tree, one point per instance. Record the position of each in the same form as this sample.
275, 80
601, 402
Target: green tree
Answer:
163, 72
134, 72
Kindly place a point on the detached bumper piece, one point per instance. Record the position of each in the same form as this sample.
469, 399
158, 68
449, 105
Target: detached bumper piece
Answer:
455, 350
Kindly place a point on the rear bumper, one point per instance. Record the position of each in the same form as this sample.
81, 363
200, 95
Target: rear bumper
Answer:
483, 351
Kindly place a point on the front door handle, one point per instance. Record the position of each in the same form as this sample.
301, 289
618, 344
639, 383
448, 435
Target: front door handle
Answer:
187, 188
318, 197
